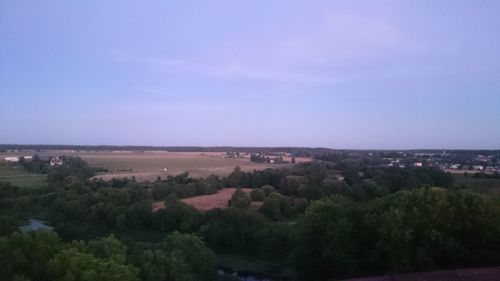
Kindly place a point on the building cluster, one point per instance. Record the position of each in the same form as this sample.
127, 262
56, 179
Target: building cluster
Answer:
270, 158
459, 161
51, 160
55, 161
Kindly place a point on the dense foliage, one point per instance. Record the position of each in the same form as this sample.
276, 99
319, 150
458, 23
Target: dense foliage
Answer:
424, 229
323, 219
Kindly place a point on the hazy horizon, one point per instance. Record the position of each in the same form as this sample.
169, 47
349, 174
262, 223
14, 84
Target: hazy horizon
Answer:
333, 74
244, 146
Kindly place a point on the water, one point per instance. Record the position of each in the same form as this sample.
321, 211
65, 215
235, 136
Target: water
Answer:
226, 274
34, 225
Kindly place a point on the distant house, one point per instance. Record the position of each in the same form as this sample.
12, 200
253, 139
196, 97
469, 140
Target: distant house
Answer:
418, 164
11, 159
56, 161
490, 169
231, 155
478, 167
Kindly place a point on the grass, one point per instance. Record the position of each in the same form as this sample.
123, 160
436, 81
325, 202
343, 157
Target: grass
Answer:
478, 184
17, 176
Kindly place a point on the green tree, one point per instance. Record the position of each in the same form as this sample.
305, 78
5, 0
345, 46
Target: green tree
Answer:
257, 194
276, 206
332, 239
74, 265
237, 178
268, 189
240, 199
290, 184
200, 259
27, 254
181, 257
109, 248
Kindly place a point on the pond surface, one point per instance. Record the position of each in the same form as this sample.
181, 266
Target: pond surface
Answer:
239, 268
34, 225
226, 274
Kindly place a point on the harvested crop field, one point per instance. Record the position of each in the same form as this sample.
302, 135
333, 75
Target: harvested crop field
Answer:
148, 165
209, 202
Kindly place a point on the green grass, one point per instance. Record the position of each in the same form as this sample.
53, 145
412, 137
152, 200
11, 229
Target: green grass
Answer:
17, 176
477, 184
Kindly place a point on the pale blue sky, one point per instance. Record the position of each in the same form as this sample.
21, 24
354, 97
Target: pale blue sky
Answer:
340, 74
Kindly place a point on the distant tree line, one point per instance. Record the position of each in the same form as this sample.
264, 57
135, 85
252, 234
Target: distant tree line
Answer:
298, 151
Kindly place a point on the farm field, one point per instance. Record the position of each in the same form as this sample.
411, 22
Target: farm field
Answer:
17, 176
208, 202
148, 165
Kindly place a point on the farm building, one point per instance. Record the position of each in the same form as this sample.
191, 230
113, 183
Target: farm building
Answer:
15, 159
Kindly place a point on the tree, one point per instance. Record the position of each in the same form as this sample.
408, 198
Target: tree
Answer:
27, 254
41, 256
416, 230
268, 189
181, 257
240, 200
237, 178
291, 184
271, 207
176, 216
332, 239
74, 265
257, 194
432, 227
7, 224
200, 259
233, 230
276, 241
109, 248
276, 206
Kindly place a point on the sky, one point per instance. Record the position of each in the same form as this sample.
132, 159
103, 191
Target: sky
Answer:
341, 74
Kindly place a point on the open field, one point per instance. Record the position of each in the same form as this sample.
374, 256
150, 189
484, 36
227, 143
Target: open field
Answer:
478, 184
17, 176
148, 165
209, 202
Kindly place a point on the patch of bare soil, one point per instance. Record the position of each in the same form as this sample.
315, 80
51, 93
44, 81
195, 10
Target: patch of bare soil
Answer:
208, 202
